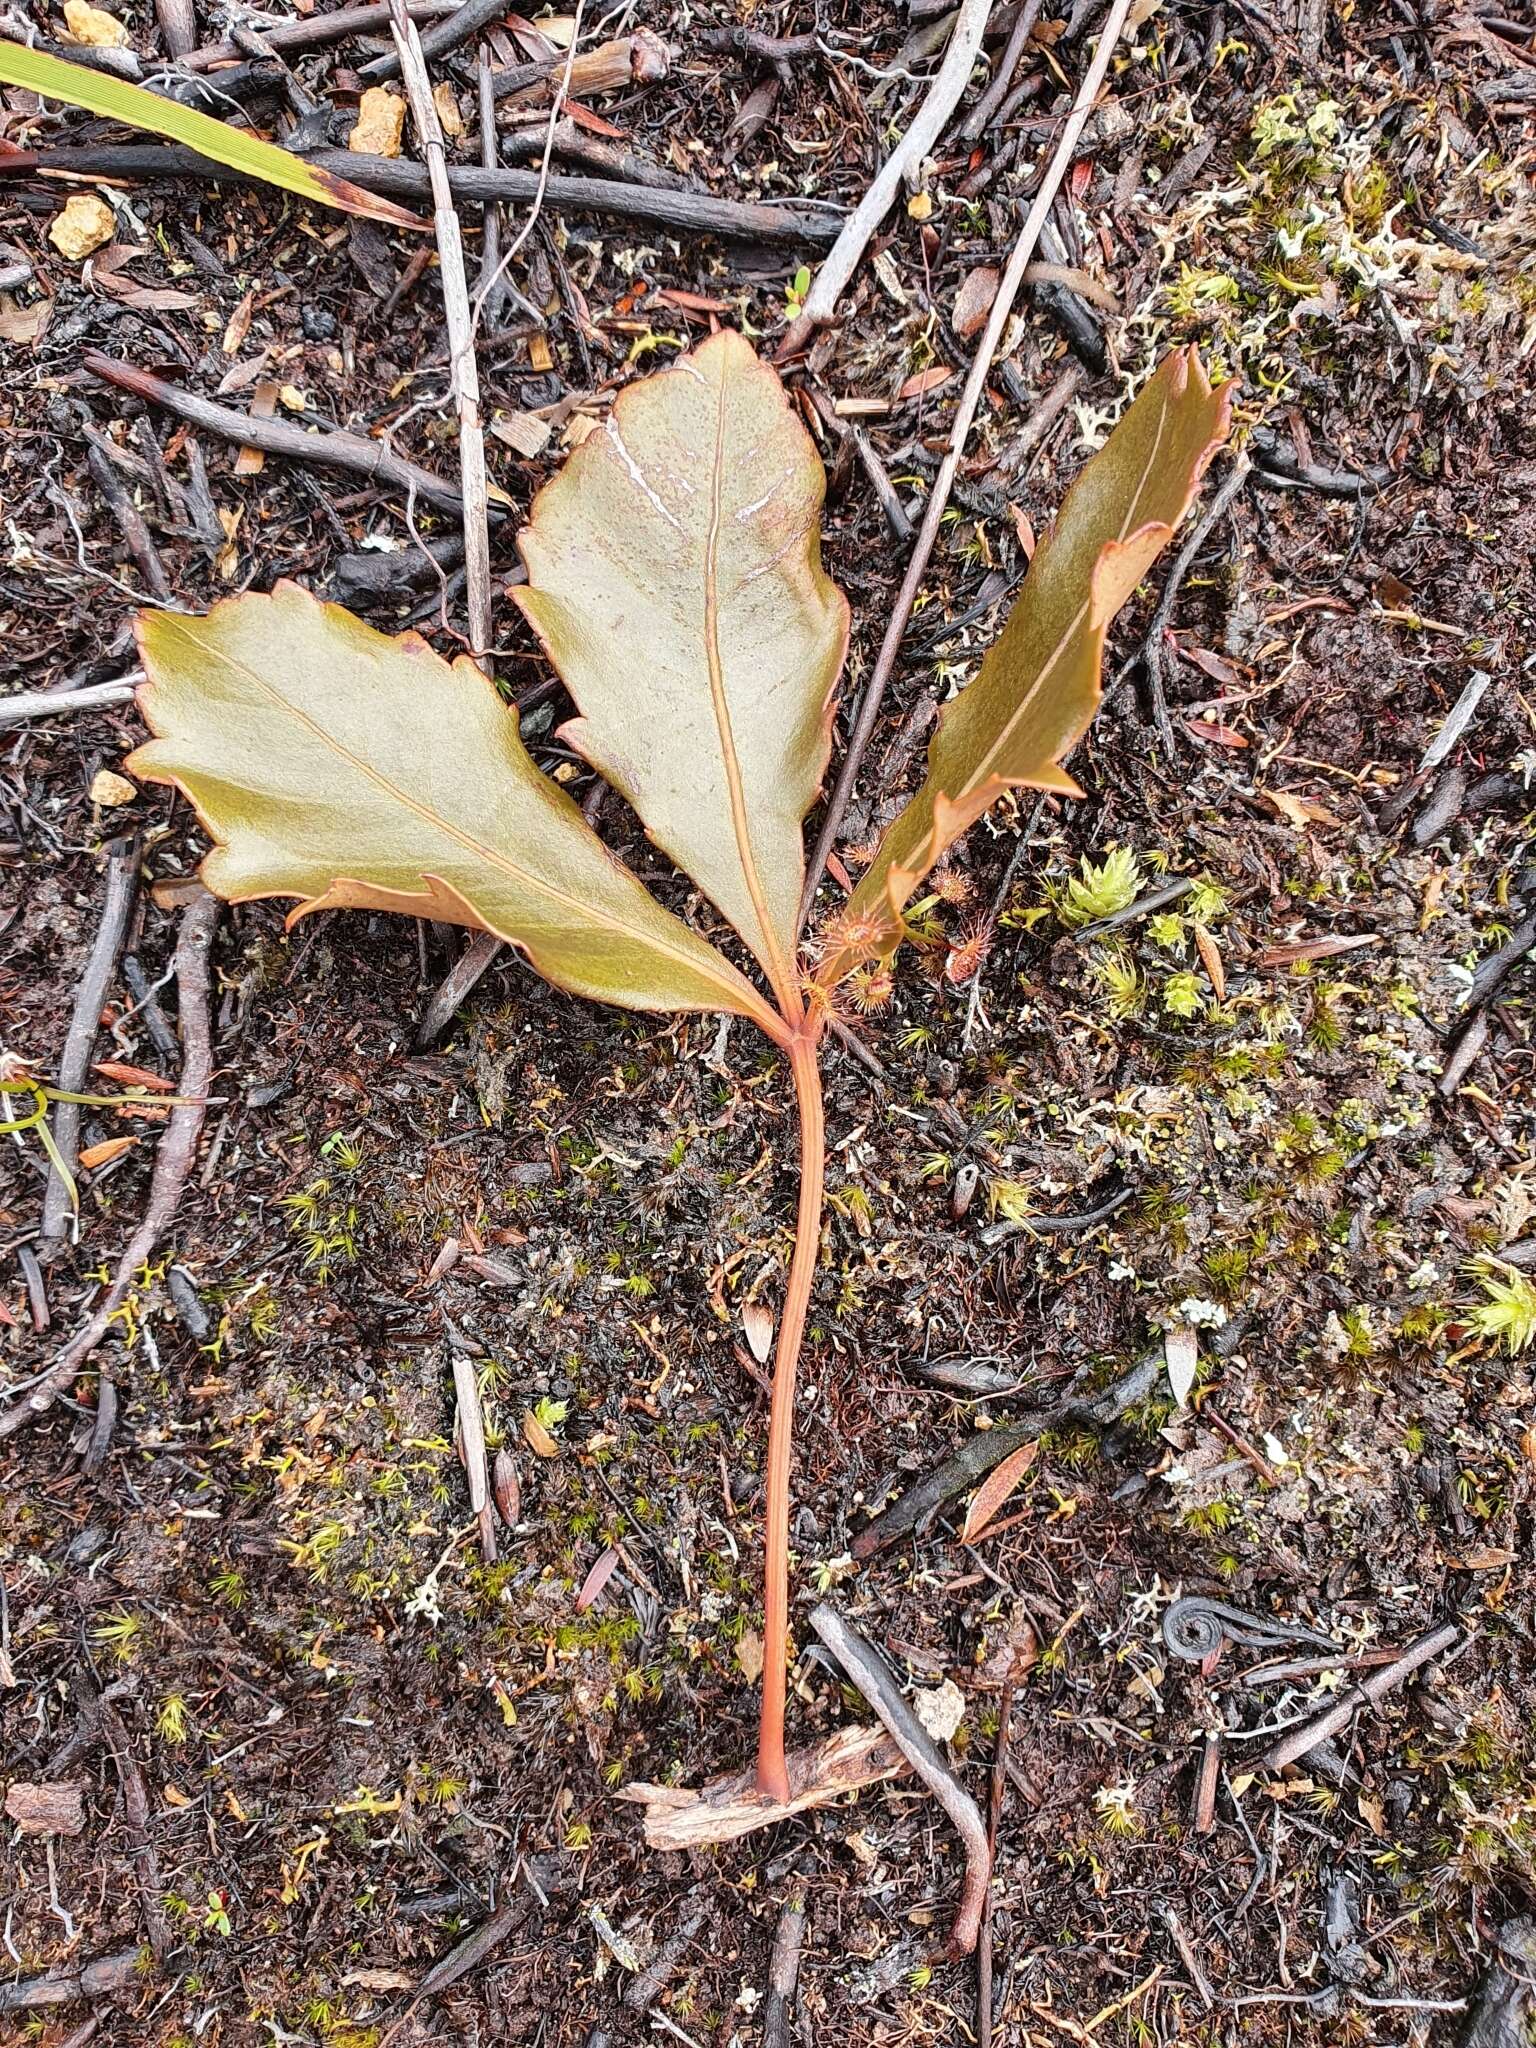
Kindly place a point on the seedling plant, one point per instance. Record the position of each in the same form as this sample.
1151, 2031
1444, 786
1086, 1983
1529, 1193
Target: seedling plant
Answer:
675, 581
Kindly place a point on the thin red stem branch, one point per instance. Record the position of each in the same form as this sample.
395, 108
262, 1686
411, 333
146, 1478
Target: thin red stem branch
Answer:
772, 1774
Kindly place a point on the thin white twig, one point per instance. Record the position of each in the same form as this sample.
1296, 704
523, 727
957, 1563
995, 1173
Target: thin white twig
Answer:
965, 413
30, 704
461, 336
949, 82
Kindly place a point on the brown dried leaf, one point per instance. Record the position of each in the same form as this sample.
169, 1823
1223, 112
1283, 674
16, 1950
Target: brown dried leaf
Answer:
995, 1489
973, 301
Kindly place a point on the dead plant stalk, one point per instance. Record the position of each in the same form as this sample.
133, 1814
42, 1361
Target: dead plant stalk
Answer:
461, 338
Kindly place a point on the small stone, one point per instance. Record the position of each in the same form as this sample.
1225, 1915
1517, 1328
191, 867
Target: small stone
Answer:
111, 791
46, 1809
86, 224
380, 123
93, 26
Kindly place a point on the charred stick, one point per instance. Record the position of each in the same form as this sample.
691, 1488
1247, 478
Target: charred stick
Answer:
607, 158
440, 40
867, 1671
173, 1159
333, 449
683, 212
130, 522
316, 31
980, 1453
122, 883
965, 413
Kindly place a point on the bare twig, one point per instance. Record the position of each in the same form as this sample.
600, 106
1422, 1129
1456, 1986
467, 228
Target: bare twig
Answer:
1150, 654
32, 704
477, 956
680, 212
461, 334
1372, 1689
784, 1973
949, 83
869, 1674
336, 449
136, 1816
80, 1040
979, 116
965, 412
173, 1159
313, 31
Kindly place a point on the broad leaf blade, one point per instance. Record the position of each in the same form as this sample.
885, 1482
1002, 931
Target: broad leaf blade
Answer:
334, 764
1038, 686
675, 578
116, 99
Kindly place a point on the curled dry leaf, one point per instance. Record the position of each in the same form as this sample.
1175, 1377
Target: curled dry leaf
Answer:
995, 1489
1039, 683
538, 1438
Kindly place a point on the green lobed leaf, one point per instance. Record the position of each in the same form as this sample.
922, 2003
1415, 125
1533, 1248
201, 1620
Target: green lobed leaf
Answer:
337, 765
236, 148
1038, 686
675, 578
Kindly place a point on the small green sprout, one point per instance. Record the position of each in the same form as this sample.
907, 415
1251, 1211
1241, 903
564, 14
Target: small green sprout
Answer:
1102, 891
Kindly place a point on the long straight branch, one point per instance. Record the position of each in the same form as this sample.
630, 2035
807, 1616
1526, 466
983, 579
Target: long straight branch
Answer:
772, 1772
461, 333
965, 412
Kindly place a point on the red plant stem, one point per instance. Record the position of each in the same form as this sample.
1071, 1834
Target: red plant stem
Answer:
772, 1773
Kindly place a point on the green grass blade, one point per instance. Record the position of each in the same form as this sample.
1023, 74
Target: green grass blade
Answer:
116, 100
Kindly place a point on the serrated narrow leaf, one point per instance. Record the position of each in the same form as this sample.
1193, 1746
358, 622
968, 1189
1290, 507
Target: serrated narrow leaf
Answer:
348, 769
676, 561
1038, 686
995, 1489
236, 148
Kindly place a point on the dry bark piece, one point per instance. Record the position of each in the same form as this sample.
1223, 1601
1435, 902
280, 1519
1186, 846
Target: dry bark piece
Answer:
678, 1818
380, 123
47, 1809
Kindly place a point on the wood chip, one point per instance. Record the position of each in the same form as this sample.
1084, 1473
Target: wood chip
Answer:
94, 27
380, 123
47, 1809
85, 225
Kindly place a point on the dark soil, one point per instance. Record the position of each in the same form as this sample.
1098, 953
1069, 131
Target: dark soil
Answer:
356, 1740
